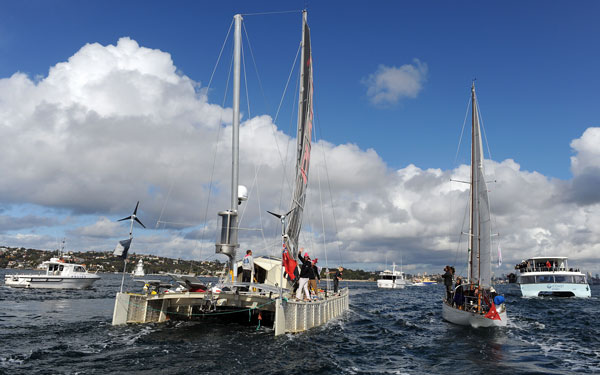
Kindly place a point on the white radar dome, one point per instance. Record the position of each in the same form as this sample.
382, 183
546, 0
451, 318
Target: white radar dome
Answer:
242, 193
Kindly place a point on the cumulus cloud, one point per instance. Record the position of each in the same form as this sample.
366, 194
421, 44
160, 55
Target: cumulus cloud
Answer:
116, 124
390, 84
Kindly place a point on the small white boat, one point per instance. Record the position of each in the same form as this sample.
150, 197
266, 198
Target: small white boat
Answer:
139, 269
551, 276
59, 275
391, 279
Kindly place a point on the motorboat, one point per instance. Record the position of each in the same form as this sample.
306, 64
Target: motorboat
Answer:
391, 279
551, 276
59, 275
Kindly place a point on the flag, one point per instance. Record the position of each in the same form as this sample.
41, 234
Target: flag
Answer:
122, 248
493, 314
289, 264
499, 256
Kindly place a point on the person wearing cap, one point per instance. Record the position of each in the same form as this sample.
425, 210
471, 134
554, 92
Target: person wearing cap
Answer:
305, 272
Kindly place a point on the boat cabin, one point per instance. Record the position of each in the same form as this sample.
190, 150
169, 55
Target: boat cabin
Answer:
267, 270
57, 267
544, 264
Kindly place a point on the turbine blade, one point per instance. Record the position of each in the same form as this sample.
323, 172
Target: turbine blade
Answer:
125, 218
139, 222
274, 214
290, 211
136, 207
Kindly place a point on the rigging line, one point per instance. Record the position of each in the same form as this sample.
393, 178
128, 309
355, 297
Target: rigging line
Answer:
262, 90
316, 121
220, 53
275, 12
288, 82
285, 161
207, 89
322, 217
212, 171
462, 130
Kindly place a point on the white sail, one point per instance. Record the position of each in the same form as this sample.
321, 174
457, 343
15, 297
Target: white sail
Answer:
305, 123
480, 216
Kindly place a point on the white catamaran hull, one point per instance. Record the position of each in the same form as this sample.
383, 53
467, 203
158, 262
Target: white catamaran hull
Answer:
556, 289
467, 318
49, 282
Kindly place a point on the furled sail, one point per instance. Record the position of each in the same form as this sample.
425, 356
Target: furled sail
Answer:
305, 124
481, 270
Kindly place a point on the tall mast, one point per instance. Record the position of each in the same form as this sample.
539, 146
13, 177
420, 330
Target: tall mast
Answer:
473, 192
227, 244
236, 111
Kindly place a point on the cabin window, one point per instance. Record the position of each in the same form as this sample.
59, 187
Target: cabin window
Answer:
61, 267
388, 277
79, 269
527, 279
579, 279
544, 279
563, 279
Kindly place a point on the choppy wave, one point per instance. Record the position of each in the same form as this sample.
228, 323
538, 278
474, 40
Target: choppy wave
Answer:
385, 332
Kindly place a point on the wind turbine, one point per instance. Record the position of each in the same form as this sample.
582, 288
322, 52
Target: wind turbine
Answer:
124, 245
133, 218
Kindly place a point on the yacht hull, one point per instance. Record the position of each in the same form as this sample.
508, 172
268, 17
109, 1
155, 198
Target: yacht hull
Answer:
385, 284
475, 320
49, 281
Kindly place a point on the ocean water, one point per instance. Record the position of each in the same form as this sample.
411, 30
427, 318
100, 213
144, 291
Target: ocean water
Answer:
385, 332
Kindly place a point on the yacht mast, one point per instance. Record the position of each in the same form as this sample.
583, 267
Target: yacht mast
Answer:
229, 228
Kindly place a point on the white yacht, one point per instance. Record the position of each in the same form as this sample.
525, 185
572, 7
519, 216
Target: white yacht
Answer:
391, 279
551, 276
59, 275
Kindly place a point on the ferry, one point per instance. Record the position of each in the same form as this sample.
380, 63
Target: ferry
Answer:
391, 279
551, 276
59, 275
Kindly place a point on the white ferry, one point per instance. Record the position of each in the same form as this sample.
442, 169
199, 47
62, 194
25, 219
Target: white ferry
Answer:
59, 275
391, 279
551, 276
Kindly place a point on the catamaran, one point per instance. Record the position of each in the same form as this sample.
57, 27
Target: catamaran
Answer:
551, 277
267, 298
475, 303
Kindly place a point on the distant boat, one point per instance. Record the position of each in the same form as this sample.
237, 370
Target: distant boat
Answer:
551, 276
477, 305
139, 269
59, 275
391, 279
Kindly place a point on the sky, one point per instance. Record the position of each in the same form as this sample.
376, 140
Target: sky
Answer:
106, 103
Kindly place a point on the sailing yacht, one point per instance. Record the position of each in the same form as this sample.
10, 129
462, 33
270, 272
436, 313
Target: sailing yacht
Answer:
475, 303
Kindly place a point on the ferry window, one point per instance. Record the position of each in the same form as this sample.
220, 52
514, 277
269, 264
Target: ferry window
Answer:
527, 279
61, 267
563, 279
579, 279
79, 269
544, 279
